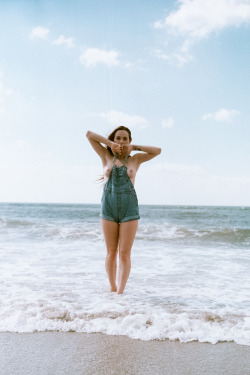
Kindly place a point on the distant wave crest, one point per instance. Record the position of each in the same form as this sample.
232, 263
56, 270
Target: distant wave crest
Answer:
147, 231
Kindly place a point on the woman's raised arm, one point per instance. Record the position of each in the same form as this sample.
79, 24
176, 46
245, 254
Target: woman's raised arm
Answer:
148, 152
96, 140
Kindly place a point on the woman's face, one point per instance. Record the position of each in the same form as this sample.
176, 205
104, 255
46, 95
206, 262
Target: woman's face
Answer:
122, 137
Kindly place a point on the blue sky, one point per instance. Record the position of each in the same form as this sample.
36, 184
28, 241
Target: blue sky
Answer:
175, 72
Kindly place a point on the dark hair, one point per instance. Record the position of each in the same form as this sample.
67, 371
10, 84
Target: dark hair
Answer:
111, 137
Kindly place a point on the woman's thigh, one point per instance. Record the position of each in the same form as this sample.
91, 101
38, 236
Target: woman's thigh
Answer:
111, 234
127, 234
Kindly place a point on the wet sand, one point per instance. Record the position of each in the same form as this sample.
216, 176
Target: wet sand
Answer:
70, 353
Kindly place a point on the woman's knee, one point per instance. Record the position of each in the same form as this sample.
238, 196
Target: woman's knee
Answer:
124, 256
111, 253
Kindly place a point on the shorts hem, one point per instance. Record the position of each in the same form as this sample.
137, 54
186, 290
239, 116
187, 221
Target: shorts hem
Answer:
108, 218
130, 218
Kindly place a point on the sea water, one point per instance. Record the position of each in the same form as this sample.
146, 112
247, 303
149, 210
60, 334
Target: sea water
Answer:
189, 280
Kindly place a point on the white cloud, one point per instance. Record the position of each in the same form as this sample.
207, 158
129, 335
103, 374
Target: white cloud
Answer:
222, 115
93, 56
197, 19
68, 42
168, 123
129, 65
175, 58
39, 33
159, 25
119, 118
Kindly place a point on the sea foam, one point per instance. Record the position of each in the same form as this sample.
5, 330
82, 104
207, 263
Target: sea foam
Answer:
189, 279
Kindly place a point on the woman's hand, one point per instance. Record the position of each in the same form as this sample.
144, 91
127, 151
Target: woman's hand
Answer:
126, 149
122, 150
116, 148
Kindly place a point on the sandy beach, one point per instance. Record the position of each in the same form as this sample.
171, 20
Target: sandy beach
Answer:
79, 353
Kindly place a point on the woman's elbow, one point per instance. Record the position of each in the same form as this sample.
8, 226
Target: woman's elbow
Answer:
88, 134
158, 151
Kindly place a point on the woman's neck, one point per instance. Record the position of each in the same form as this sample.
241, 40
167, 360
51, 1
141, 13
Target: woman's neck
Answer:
122, 159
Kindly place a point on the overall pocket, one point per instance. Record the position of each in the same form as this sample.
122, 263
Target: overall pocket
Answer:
133, 193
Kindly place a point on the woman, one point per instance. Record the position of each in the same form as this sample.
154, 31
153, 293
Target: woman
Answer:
119, 210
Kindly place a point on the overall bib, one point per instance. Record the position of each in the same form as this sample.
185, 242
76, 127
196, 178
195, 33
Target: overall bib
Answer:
119, 200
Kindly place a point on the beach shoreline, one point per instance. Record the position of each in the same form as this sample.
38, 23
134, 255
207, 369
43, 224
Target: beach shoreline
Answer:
95, 353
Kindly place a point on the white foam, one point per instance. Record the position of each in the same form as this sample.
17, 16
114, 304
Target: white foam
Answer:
53, 278
124, 315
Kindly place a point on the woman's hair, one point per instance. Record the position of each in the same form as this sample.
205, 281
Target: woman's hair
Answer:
111, 137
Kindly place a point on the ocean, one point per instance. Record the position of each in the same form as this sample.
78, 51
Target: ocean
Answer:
189, 281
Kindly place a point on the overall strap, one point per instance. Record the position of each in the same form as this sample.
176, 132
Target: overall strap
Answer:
125, 159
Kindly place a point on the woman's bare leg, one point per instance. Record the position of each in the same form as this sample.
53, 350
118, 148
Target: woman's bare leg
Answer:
111, 235
127, 234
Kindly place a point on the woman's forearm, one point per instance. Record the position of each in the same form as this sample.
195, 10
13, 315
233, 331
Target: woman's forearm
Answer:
98, 138
148, 149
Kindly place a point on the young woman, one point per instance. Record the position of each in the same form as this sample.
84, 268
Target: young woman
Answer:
119, 210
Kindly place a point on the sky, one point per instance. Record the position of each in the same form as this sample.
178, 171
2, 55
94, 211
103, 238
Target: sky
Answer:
175, 72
